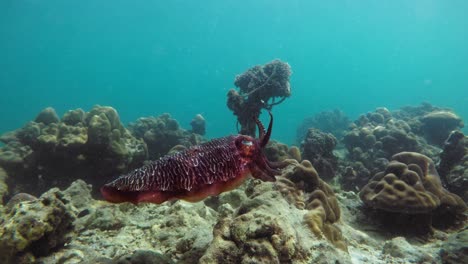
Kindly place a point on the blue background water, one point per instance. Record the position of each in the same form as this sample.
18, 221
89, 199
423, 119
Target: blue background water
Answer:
150, 57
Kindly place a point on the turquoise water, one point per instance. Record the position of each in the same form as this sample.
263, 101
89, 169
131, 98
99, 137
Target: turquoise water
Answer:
151, 57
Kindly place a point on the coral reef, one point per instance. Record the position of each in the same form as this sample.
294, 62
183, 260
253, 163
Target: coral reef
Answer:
257, 222
162, 133
431, 122
374, 138
259, 87
277, 151
406, 213
334, 122
51, 152
317, 147
266, 229
411, 185
108, 232
33, 228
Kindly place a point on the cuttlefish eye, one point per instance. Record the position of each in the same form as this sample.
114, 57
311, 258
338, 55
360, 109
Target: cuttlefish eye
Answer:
247, 143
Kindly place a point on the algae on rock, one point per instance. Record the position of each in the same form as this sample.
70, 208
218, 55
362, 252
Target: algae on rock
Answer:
38, 226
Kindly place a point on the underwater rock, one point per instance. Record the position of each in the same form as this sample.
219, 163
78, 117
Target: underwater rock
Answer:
47, 116
109, 233
3, 185
144, 257
398, 247
334, 122
453, 165
317, 147
80, 194
198, 124
93, 146
455, 249
411, 185
161, 134
259, 88
18, 198
38, 226
437, 125
257, 221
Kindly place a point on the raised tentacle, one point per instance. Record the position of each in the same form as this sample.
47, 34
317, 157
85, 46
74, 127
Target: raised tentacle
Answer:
261, 128
264, 140
279, 164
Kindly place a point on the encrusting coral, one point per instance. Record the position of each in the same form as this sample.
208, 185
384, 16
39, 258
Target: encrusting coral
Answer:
259, 87
411, 185
35, 227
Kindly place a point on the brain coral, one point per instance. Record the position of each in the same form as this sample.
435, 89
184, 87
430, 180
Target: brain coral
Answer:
410, 184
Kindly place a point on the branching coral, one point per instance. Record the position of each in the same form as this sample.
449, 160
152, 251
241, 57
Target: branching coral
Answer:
259, 87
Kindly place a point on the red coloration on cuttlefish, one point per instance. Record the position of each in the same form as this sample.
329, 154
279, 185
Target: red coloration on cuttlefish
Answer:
204, 170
